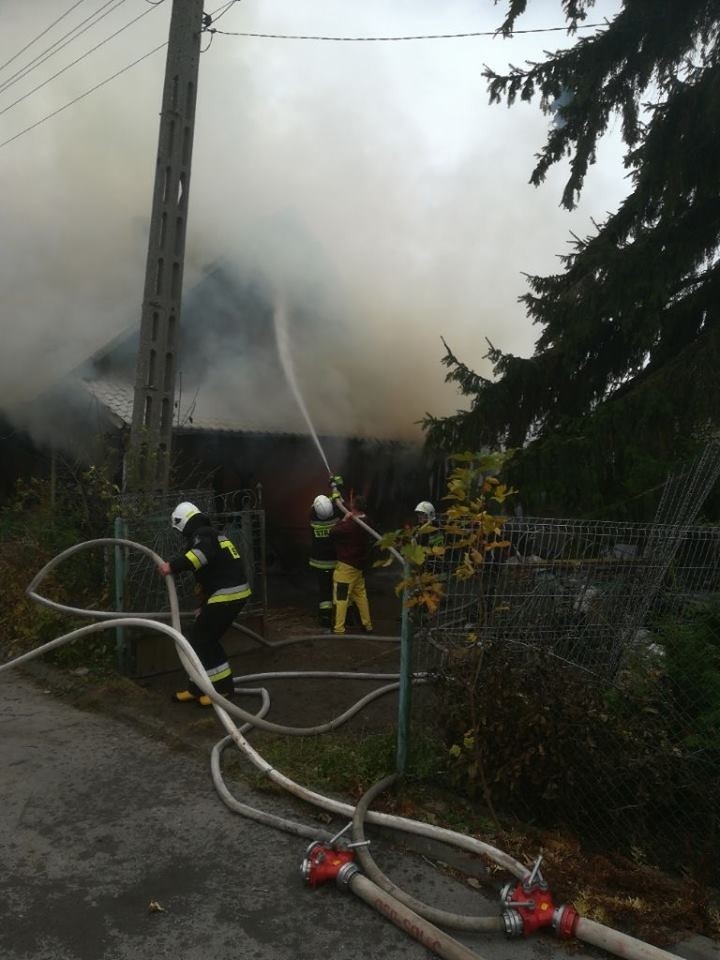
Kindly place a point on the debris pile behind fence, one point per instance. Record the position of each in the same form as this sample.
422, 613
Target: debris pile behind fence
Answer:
582, 591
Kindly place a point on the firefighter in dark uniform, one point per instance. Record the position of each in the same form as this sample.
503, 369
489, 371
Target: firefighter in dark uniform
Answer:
221, 584
324, 514
429, 535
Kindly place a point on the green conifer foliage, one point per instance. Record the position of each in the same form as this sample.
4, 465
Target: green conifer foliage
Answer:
624, 378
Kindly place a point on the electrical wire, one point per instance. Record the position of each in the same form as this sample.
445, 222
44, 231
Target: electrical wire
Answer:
58, 45
212, 30
221, 11
41, 34
82, 57
82, 96
423, 36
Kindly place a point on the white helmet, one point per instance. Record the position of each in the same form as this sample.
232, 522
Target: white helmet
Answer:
323, 507
181, 514
427, 508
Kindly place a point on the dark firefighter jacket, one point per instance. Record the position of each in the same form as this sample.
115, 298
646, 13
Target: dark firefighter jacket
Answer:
352, 542
322, 547
218, 567
428, 534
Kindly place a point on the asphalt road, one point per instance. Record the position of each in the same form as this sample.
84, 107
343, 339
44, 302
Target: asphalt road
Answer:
98, 820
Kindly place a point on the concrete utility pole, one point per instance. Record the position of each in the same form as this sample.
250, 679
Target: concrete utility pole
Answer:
151, 432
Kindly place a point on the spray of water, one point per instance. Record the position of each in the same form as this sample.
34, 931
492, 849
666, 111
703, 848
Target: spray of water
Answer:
282, 338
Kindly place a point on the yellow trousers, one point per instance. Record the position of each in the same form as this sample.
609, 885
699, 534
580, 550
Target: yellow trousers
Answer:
349, 587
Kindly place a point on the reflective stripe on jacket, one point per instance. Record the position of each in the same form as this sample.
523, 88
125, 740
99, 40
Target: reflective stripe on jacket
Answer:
322, 548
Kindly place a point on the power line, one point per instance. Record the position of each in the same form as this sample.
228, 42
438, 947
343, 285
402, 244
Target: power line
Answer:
424, 36
129, 66
221, 11
82, 57
41, 34
83, 95
59, 45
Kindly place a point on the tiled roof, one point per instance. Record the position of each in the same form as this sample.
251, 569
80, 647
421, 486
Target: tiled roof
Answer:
117, 396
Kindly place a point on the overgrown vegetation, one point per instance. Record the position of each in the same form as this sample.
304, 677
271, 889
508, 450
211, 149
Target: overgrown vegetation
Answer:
41, 520
692, 667
533, 738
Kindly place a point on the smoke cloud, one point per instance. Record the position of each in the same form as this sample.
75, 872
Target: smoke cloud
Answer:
369, 183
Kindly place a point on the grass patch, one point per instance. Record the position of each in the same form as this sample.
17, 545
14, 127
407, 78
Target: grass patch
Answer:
341, 763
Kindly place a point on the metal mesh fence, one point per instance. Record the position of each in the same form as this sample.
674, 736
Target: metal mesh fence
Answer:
685, 491
579, 589
569, 696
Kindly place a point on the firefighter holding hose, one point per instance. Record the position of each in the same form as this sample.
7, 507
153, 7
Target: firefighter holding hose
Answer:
353, 544
324, 514
221, 583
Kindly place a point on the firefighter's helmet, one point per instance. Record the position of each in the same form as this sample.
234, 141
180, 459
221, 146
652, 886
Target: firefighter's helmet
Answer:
426, 509
323, 507
181, 514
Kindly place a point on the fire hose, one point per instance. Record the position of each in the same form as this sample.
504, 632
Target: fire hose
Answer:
520, 916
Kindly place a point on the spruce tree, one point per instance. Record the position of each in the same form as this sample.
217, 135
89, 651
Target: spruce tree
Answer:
623, 382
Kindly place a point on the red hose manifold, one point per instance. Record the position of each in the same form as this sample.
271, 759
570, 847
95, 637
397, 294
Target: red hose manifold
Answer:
324, 862
530, 906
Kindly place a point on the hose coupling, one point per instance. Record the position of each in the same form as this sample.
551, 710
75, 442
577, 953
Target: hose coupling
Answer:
513, 923
323, 862
565, 920
345, 874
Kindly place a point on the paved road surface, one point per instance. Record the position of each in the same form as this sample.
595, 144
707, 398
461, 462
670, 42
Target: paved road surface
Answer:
98, 819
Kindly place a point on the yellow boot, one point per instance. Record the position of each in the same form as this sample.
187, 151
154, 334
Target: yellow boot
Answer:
183, 696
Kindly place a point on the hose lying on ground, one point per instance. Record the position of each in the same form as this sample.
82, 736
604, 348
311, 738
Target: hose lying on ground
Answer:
444, 918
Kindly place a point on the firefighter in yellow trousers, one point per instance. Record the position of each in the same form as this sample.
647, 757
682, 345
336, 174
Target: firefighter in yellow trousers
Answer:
352, 547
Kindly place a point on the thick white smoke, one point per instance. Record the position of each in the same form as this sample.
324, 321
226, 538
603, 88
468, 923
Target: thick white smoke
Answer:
411, 217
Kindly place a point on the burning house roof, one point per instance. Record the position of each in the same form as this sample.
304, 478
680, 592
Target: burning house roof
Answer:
230, 379
236, 419
116, 396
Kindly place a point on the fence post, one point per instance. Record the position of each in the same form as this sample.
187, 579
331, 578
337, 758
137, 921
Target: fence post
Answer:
405, 682
120, 646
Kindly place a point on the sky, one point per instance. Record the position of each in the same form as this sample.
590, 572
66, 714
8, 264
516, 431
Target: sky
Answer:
406, 189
